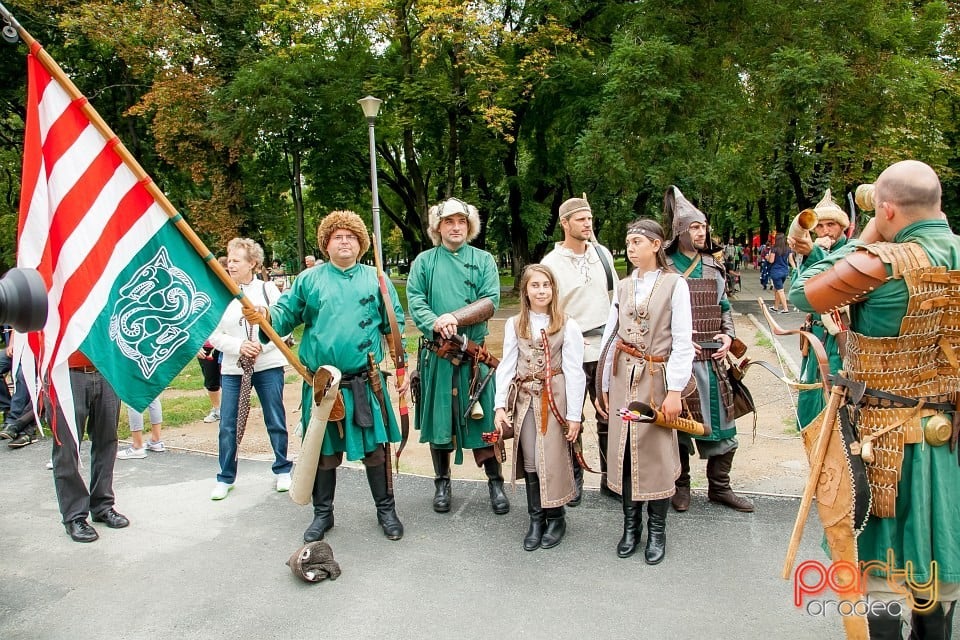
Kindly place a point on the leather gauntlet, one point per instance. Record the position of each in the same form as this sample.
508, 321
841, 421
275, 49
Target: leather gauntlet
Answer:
474, 313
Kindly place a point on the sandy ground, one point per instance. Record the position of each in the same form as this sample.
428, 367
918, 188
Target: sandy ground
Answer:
772, 461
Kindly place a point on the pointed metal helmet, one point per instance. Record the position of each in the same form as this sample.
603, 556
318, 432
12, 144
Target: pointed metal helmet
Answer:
827, 209
678, 214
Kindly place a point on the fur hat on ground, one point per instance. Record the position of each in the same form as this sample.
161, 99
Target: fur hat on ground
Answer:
314, 562
678, 214
449, 207
827, 209
346, 220
573, 205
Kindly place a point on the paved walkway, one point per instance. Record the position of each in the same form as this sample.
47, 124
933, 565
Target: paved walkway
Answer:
191, 568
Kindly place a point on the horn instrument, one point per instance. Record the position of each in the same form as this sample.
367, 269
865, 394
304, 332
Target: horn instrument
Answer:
803, 224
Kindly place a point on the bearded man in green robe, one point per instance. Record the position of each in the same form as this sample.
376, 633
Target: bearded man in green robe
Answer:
452, 290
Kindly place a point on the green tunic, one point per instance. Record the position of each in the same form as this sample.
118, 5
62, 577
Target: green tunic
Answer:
810, 402
442, 281
723, 428
344, 317
928, 494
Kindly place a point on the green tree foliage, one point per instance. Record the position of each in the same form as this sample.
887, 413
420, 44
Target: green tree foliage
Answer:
246, 114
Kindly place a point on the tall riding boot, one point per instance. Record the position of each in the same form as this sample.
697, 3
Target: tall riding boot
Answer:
498, 499
602, 442
531, 541
656, 531
577, 483
556, 527
933, 625
884, 626
324, 488
681, 499
631, 517
441, 467
386, 505
718, 475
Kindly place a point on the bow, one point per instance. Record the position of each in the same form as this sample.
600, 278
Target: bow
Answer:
397, 354
576, 447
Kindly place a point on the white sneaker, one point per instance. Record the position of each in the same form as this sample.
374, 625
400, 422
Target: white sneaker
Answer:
49, 465
213, 416
220, 491
131, 454
283, 482
157, 446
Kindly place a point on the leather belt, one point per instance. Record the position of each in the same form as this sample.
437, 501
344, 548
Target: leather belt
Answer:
885, 400
629, 349
86, 369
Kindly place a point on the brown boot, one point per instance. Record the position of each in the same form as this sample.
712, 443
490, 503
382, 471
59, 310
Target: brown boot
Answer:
681, 499
718, 475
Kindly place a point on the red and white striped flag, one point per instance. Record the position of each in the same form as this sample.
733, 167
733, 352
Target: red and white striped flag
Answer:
125, 287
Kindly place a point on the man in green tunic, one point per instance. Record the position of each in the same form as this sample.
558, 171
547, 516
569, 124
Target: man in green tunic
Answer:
689, 253
922, 533
832, 223
344, 316
453, 289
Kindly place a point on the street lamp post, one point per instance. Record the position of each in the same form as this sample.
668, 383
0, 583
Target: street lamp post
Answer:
371, 107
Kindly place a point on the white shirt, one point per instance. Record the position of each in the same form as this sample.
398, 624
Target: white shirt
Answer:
232, 330
680, 362
582, 289
574, 377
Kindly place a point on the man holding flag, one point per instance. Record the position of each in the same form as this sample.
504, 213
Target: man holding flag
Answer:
131, 300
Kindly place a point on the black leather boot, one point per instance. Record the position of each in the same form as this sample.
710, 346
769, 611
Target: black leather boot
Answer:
631, 517
933, 625
556, 527
324, 488
531, 541
656, 531
718, 476
577, 483
441, 467
386, 505
681, 499
884, 626
498, 499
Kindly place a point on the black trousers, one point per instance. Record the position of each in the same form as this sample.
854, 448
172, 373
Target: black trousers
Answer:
97, 413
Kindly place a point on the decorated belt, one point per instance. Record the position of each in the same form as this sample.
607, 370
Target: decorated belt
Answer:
631, 350
877, 399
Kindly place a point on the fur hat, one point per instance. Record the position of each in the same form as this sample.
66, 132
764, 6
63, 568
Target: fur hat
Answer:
827, 209
347, 220
678, 214
314, 562
449, 207
573, 205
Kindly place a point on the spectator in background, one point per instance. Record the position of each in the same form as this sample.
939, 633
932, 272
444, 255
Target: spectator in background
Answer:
780, 260
209, 360
138, 448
